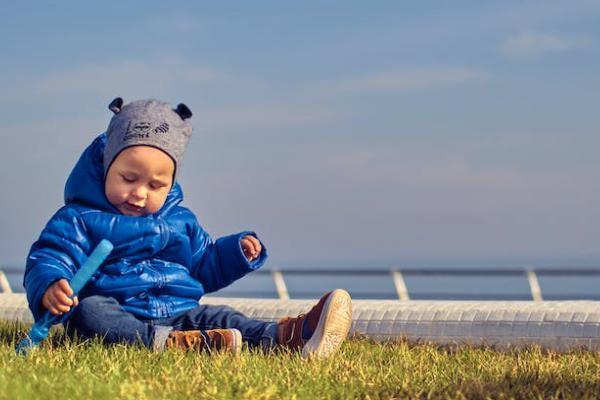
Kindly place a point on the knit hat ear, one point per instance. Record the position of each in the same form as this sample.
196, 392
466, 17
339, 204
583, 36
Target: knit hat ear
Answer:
115, 105
183, 111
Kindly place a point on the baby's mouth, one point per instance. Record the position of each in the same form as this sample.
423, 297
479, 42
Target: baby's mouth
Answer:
133, 208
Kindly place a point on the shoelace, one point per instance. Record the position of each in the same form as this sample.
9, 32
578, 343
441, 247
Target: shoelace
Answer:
205, 342
294, 321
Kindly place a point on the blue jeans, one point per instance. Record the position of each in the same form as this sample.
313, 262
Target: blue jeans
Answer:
104, 317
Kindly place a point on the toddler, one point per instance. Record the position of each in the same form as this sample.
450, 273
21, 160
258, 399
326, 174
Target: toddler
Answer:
124, 188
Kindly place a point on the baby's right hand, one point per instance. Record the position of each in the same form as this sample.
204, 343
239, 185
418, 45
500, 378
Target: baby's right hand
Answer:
57, 298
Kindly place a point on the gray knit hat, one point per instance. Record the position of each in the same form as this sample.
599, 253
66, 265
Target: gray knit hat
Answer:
147, 122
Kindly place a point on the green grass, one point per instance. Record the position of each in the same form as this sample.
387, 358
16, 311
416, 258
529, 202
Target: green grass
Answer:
65, 369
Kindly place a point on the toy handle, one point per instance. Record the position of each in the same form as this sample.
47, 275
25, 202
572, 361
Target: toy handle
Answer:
90, 266
39, 330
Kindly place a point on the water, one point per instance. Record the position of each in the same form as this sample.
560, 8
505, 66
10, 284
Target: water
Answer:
423, 287
419, 287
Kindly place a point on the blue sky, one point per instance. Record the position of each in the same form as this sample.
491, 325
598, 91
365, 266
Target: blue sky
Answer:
339, 131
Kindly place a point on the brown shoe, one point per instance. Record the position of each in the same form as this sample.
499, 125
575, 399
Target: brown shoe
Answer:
327, 325
227, 340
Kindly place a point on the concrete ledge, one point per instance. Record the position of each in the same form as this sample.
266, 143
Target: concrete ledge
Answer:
557, 325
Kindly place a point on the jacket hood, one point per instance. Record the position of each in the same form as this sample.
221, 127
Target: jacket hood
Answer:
85, 184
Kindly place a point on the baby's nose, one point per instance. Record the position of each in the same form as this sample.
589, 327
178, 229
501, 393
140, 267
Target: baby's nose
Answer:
140, 192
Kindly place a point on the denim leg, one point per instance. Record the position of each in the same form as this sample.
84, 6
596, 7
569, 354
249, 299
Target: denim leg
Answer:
104, 317
204, 317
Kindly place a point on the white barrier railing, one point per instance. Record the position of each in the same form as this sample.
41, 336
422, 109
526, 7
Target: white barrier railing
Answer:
556, 325
4, 285
397, 275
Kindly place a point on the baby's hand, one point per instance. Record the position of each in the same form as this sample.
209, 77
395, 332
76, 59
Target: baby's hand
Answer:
57, 298
251, 247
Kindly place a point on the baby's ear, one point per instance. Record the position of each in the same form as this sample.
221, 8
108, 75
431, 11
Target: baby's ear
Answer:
115, 105
183, 111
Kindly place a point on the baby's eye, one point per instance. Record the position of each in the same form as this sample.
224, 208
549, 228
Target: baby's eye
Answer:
156, 186
128, 179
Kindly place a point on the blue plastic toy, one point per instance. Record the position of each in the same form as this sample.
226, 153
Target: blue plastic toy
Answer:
39, 330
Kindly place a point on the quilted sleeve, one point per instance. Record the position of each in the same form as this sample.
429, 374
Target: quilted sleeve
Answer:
61, 249
217, 264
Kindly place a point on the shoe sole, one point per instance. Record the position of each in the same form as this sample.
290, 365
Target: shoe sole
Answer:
236, 348
332, 328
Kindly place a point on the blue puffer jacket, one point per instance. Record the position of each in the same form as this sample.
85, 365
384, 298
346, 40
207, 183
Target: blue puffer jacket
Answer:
161, 264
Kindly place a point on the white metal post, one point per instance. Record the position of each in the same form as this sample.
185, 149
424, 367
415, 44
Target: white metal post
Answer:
280, 285
4, 285
534, 285
400, 285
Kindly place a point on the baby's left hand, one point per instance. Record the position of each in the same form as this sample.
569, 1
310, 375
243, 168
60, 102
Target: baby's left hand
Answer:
251, 247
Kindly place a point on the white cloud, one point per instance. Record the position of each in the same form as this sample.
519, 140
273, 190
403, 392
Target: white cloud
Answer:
529, 43
128, 76
260, 116
411, 79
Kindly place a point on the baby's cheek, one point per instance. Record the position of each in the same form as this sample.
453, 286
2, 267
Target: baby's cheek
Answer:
114, 197
156, 202
110, 197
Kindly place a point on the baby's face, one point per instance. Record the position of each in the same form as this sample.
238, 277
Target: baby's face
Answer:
139, 180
